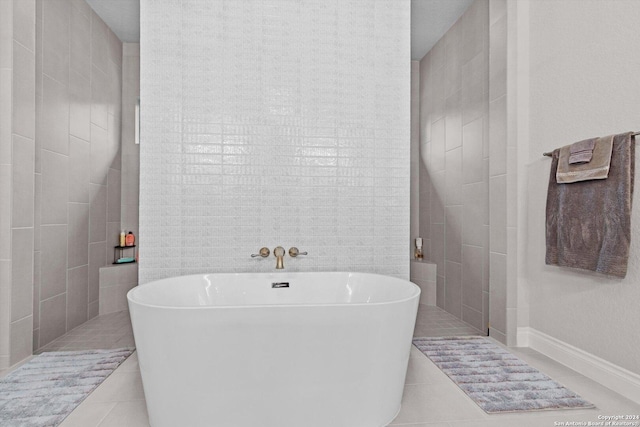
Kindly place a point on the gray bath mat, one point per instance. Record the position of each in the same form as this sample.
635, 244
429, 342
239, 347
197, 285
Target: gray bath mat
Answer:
43, 391
494, 378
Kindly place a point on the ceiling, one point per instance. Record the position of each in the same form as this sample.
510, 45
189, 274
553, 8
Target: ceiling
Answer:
430, 19
122, 16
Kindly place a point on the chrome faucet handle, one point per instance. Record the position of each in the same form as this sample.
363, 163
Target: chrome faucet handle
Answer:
264, 252
294, 252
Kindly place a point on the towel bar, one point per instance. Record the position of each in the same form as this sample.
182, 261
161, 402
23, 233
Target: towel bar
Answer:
551, 153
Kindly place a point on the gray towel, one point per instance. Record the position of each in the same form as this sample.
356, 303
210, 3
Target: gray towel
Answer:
581, 152
589, 223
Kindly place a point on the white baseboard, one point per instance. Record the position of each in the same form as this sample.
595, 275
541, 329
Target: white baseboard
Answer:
612, 376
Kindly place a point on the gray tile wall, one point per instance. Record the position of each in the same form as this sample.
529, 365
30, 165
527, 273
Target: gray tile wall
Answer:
130, 150
115, 282
423, 274
502, 180
286, 141
454, 165
17, 145
415, 157
77, 163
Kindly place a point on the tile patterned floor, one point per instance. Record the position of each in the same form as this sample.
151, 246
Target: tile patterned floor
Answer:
433, 321
430, 398
108, 331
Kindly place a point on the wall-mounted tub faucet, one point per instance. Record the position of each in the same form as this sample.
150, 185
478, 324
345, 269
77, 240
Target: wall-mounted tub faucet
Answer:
278, 252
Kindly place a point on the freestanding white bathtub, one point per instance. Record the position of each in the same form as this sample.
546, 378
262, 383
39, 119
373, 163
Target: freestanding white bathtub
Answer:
235, 350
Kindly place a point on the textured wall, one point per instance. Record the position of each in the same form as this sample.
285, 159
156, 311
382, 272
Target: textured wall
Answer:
77, 163
454, 165
584, 82
274, 123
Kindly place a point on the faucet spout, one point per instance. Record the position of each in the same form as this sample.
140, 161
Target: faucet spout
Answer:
279, 254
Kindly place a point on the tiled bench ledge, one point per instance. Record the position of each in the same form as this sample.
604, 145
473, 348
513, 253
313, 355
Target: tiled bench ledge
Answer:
115, 282
424, 274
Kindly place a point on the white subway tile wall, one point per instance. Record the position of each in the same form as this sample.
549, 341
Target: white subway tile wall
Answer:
274, 123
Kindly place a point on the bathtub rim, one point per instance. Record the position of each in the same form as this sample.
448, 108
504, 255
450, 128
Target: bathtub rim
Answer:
131, 294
